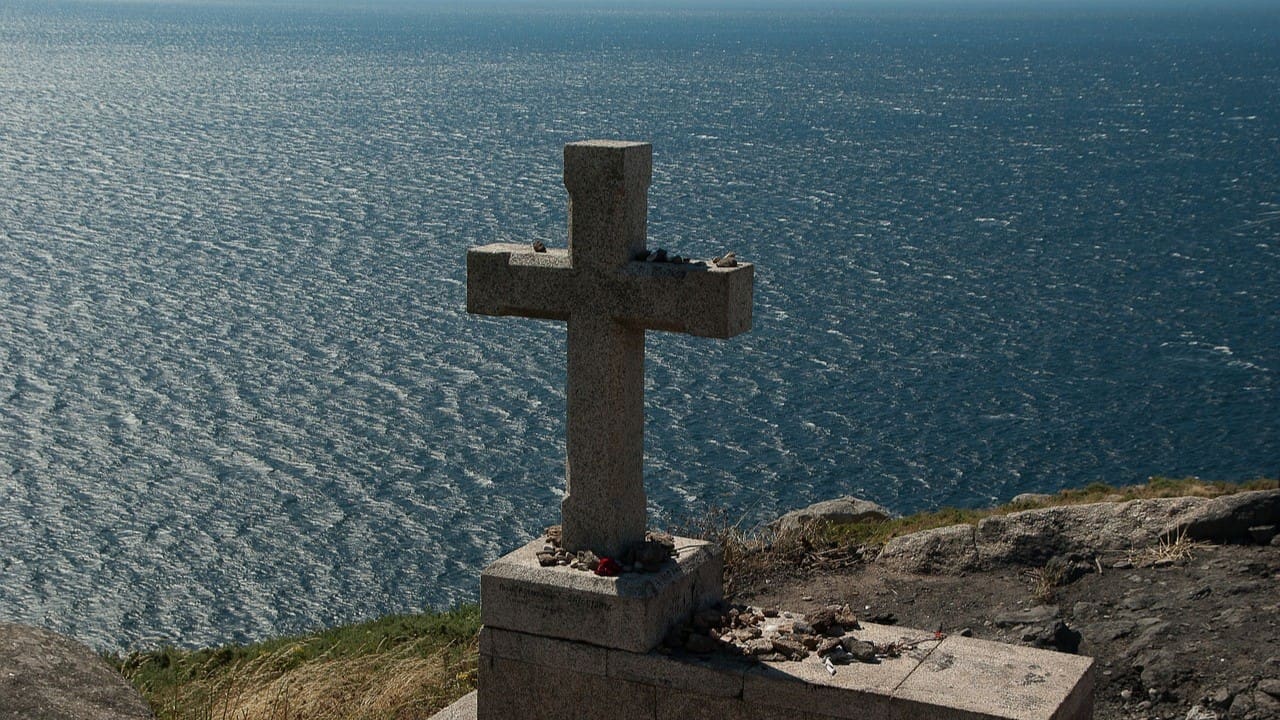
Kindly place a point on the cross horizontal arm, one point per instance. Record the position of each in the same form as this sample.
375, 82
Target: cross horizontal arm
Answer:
510, 279
697, 299
685, 298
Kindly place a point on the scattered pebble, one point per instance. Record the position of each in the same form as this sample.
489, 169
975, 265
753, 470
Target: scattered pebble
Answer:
538, 246
729, 259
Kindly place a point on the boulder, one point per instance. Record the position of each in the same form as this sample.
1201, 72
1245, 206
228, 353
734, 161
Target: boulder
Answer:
840, 511
1032, 537
1031, 498
45, 676
940, 551
1230, 518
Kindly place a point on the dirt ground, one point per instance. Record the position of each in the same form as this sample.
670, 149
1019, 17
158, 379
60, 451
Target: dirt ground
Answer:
1197, 639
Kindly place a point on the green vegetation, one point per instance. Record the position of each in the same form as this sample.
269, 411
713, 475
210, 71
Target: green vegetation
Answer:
394, 668
409, 666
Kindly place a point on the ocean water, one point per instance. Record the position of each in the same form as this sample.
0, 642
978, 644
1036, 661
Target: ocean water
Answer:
998, 250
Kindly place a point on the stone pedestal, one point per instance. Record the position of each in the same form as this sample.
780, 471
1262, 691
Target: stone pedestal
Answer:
630, 612
556, 625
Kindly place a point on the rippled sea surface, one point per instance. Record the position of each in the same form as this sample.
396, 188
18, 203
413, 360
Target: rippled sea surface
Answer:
240, 395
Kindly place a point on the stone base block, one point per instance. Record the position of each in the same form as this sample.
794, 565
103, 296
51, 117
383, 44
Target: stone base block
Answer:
955, 678
630, 612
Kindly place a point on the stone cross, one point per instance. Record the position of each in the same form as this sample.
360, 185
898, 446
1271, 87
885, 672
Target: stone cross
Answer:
609, 295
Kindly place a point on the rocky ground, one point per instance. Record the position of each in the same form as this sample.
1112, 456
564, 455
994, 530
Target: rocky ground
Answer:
1188, 631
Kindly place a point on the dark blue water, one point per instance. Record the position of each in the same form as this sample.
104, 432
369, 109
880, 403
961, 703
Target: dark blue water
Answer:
998, 250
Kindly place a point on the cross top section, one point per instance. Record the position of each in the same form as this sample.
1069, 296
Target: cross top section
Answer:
609, 295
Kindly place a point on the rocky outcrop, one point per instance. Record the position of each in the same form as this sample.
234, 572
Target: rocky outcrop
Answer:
942, 551
1240, 518
45, 676
1034, 537
840, 511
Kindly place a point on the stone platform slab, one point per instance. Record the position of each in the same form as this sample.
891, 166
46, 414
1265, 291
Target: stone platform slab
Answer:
630, 612
952, 678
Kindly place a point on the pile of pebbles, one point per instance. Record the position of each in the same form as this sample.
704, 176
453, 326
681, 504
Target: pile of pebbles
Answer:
656, 550
660, 255
770, 635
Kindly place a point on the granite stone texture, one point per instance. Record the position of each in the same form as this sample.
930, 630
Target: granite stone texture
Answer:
630, 612
46, 676
609, 299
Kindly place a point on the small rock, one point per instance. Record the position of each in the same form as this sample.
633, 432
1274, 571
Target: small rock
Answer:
827, 645
801, 627
539, 247
1270, 686
789, 648
729, 259
860, 650
1126, 694
770, 612
886, 618
846, 619
546, 559
822, 620
759, 646
965, 632
652, 553
1199, 712
840, 656
662, 538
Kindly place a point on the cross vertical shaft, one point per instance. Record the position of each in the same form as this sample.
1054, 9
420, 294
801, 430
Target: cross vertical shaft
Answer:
604, 508
604, 473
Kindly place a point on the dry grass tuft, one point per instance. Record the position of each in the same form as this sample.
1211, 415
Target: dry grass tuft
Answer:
372, 686
753, 553
403, 668
1171, 550
1045, 582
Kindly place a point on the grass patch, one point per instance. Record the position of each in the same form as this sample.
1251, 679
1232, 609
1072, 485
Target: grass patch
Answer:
394, 668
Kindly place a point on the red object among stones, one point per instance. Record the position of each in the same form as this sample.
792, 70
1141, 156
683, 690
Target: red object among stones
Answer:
608, 567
